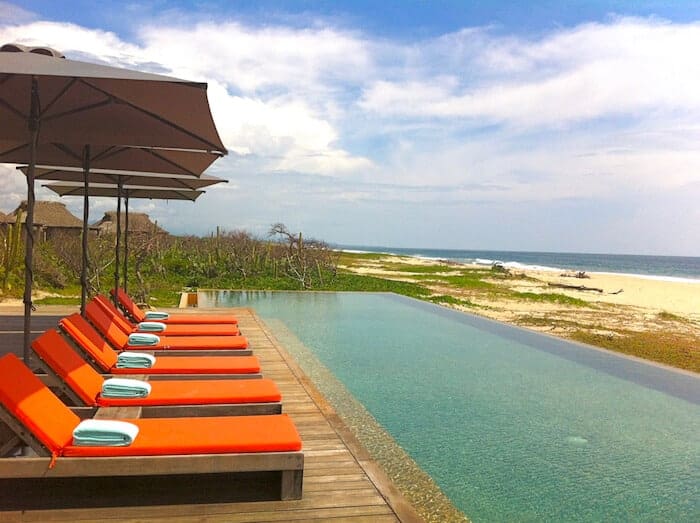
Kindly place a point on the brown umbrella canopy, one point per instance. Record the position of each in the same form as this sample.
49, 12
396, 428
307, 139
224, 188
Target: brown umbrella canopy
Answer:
151, 193
127, 178
80, 103
146, 159
53, 108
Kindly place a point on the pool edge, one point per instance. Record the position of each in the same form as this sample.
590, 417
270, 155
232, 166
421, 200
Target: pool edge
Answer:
404, 510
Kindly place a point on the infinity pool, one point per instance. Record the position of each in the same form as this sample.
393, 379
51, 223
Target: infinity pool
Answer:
512, 425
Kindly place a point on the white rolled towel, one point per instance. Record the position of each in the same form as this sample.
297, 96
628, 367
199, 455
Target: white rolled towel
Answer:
152, 326
135, 360
125, 388
104, 433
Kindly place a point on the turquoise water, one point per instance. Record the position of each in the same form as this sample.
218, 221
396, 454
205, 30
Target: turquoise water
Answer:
513, 425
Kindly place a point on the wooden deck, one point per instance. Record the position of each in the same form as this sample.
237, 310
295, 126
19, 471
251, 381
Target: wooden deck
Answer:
341, 482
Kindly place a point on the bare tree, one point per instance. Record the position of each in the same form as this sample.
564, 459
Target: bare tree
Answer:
305, 261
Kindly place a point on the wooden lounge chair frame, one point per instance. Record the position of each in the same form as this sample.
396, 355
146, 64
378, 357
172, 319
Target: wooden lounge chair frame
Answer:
166, 411
35, 473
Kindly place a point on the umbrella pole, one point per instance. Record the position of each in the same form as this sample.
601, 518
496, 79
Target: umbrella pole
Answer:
86, 216
126, 239
118, 247
29, 220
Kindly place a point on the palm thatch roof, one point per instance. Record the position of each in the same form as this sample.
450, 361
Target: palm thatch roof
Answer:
48, 214
139, 222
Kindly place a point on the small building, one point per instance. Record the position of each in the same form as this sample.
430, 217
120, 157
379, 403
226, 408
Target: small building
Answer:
139, 223
50, 219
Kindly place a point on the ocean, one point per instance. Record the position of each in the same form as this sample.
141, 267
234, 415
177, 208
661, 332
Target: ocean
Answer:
678, 268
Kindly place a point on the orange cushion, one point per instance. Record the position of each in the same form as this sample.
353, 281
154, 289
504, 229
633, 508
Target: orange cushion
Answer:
34, 405
199, 365
197, 318
117, 337
216, 435
202, 392
196, 343
129, 306
68, 365
181, 329
86, 337
113, 313
171, 330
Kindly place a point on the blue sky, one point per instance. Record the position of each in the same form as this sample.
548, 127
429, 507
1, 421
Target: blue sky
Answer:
553, 126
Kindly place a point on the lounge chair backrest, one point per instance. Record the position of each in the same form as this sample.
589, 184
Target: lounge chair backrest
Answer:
87, 338
129, 306
85, 381
114, 313
37, 408
117, 337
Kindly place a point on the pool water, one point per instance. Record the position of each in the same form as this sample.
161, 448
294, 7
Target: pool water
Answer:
512, 425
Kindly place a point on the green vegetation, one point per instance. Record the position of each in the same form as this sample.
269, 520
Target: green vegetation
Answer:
59, 300
11, 260
548, 297
445, 299
676, 349
415, 269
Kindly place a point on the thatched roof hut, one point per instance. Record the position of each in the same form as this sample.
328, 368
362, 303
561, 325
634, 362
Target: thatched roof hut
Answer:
139, 223
49, 217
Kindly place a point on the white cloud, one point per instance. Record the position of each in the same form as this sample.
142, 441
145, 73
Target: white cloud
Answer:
257, 59
284, 122
593, 71
323, 123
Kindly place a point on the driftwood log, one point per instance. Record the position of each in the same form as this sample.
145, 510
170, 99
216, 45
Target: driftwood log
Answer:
575, 287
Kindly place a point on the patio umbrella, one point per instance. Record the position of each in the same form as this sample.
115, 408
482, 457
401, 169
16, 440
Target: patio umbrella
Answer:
119, 190
114, 178
179, 160
47, 102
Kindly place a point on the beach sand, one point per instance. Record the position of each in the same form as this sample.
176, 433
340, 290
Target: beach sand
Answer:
655, 295
676, 297
634, 314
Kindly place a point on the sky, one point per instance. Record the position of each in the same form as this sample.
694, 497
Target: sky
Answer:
534, 126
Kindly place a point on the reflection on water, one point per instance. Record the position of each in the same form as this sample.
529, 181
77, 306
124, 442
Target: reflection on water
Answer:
511, 425
417, 486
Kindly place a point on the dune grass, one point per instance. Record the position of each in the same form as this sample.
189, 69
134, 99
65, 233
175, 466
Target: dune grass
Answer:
675, 349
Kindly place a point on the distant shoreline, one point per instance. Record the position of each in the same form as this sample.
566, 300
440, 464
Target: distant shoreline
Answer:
690, 273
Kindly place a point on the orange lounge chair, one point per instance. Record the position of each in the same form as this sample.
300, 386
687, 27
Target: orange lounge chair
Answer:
98, 350
138, 315
224, 397
118, 338
170, 330
171, 461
